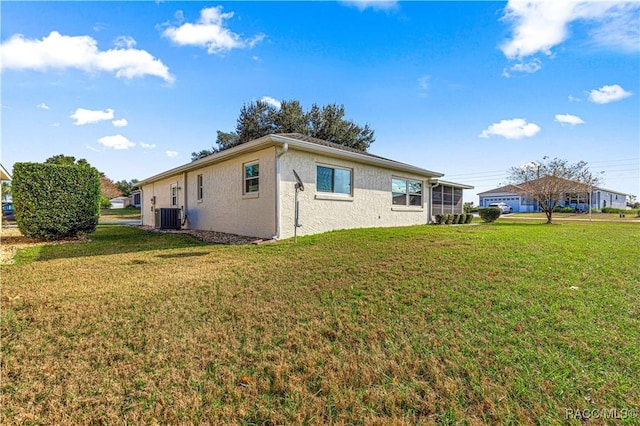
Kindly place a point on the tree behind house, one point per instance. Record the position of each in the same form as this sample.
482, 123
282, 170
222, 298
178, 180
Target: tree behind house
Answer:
261, 118
547, 181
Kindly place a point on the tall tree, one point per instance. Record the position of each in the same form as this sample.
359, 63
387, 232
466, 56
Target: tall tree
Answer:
261, 118
126, 187
547, 181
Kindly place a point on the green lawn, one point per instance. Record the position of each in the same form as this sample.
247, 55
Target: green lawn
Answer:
128, 213
508, 323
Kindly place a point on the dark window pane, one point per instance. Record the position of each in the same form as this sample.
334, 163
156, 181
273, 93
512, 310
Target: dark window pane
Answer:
415, 200
251, 185
324, 180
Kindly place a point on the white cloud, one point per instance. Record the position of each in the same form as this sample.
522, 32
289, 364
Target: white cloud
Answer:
120, 123
147, 145
79, 52
607, 94
87, 116
373, 4
528, 67
116, 142
43, 106
171, 154
271, 101
210, 32
569, 119
538, 26
124, 42
511, 129
56, 124
573, 99
90, 148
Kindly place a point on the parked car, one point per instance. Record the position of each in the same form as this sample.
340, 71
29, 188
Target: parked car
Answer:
7, 212
504, 207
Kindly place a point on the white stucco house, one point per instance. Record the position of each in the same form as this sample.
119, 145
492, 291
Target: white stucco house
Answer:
250, 190
513, 195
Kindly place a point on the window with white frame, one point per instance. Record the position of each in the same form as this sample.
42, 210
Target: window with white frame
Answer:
333, 179
406, 192
174, 194
251, 178
199, 183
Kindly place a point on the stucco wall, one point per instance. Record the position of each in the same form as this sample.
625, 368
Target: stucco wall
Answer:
223, 207
162, 193
370, 205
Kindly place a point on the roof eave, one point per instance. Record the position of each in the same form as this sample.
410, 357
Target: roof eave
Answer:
360, 158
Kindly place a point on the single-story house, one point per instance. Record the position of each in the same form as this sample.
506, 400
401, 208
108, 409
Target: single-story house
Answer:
120, 202
515, 196
250, 189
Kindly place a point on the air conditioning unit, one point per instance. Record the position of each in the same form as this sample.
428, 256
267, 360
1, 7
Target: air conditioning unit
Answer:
167, 218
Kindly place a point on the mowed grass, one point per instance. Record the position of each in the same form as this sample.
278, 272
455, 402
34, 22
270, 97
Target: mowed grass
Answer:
508, 323
127, 213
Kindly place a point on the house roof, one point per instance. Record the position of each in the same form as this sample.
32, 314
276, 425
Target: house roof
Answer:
454, 185
4, 174
516, 189
300, 142
507, 189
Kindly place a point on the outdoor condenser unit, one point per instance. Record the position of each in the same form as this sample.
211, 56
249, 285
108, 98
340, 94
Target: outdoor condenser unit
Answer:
167, 218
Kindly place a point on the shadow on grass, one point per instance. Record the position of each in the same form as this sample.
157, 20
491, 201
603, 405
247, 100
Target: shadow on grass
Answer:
114, 239
178, 255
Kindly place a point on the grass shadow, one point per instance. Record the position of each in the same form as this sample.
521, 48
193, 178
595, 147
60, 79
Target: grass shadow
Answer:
112, 239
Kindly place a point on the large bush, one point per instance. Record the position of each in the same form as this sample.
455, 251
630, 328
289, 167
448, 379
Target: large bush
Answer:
55, 201
490, 214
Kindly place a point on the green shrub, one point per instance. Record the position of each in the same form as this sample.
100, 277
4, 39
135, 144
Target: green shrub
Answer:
617, 211
490, 214
441, 219
559, 209
449, 219
454, 220
468, 218
461, 218
54, 201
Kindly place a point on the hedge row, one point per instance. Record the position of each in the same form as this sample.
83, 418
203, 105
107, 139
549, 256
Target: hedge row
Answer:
448, 219
53, 201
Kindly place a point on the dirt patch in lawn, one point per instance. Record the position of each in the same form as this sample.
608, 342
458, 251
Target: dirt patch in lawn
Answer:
12, 240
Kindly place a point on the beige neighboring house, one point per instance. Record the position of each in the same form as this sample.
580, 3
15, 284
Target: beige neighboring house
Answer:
250, 190
4, 174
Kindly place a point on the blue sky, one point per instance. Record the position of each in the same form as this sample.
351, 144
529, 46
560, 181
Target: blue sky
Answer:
468, 89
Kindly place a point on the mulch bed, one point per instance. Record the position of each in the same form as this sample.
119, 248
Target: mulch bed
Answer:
212, 237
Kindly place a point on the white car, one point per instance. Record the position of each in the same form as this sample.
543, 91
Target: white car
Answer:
505, 208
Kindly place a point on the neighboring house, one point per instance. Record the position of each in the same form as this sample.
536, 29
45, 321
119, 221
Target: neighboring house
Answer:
250, 189
4, 174
136, 198
119, 202
514, 196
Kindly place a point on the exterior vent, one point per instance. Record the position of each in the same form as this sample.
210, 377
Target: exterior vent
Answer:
167, 218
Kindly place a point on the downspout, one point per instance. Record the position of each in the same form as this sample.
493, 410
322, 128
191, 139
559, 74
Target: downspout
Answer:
432, 184
185, 199
279, 153
141, 206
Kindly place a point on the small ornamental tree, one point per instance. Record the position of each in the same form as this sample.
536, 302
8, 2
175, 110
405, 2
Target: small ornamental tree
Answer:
54, 201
